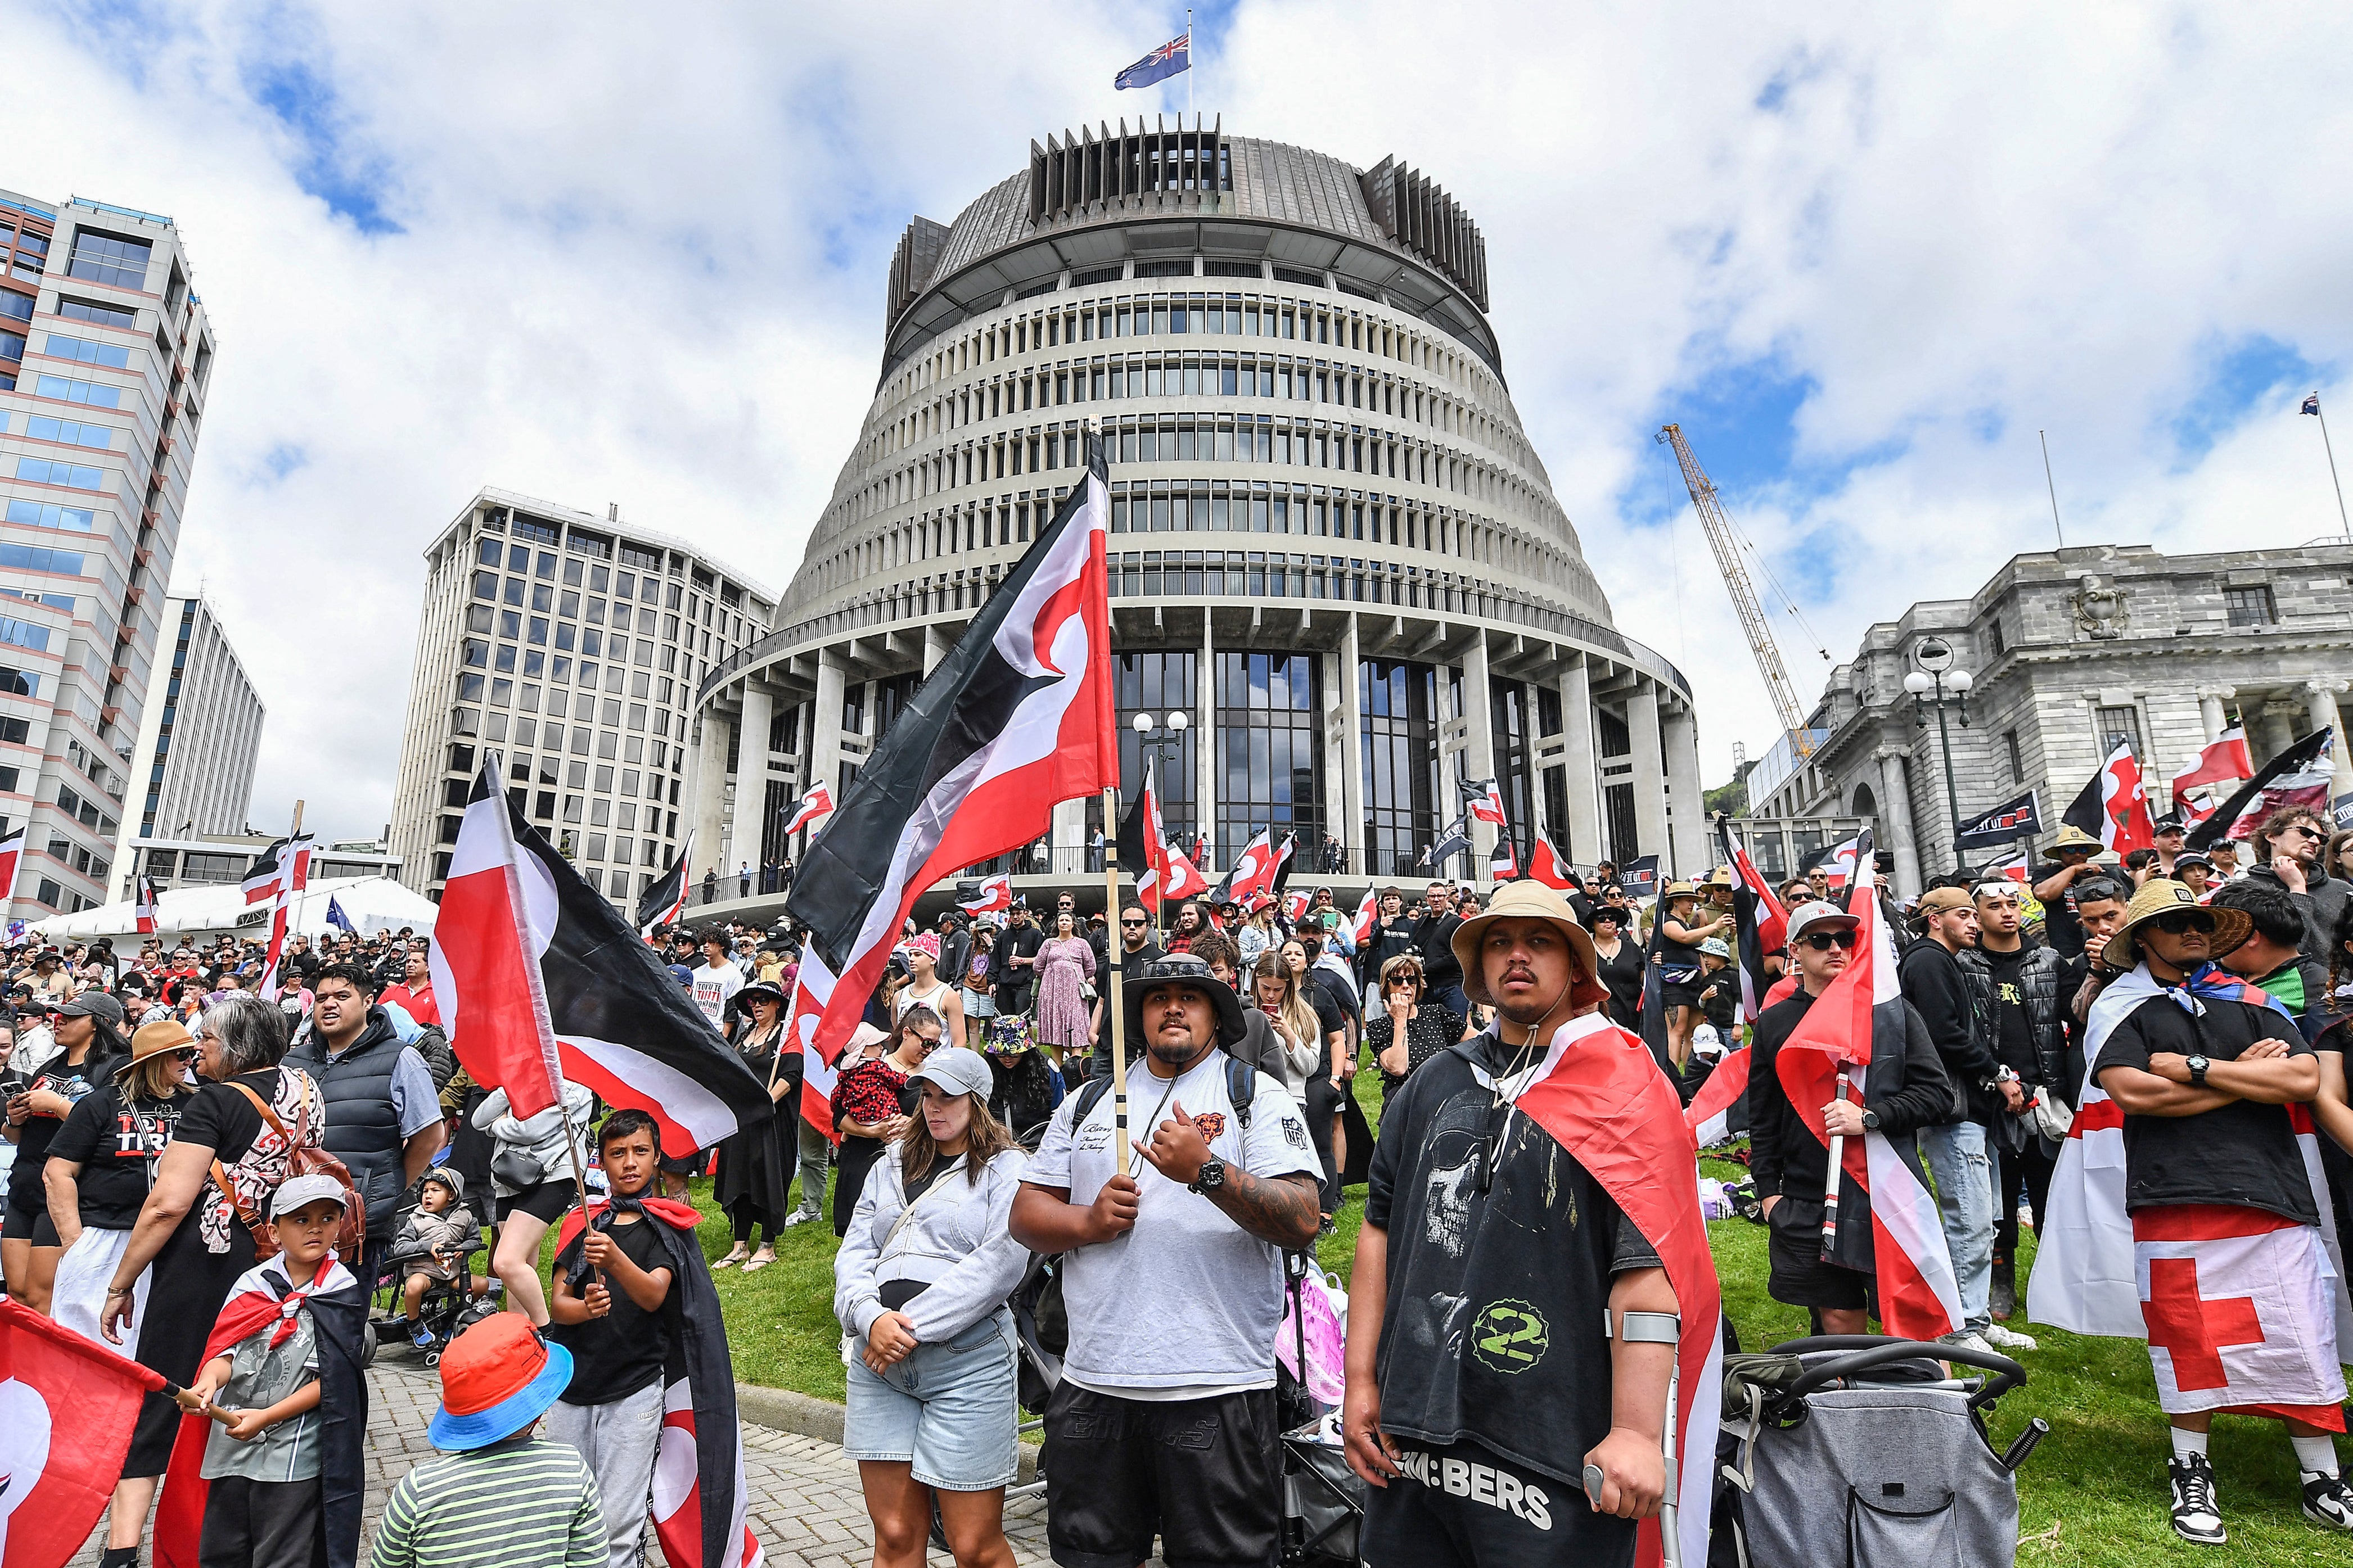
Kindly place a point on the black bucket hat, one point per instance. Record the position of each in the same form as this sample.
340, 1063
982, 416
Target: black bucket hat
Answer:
1183, 968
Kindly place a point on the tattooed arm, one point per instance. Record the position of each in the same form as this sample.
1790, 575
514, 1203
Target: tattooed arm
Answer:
1279, 1209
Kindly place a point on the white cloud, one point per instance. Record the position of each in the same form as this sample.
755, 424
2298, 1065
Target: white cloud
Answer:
641, 260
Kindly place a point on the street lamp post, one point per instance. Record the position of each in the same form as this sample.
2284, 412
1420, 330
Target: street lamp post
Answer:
1929, 686
1162, 742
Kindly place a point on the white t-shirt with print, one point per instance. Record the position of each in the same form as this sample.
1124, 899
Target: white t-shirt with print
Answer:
1187, 1304
714, 986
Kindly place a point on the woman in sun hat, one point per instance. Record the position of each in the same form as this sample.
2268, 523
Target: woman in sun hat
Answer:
499, 1491
750, 1183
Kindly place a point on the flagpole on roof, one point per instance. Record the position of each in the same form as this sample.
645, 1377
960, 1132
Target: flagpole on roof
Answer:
2311, 405
1188, 69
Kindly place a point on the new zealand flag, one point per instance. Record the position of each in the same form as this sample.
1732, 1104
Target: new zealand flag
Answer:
1174, 56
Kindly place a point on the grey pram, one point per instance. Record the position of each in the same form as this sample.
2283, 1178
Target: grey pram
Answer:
1867, 1456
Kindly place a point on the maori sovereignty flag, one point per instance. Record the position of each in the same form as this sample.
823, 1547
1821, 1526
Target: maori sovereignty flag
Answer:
1253, 871
1888, 1223
1758, 920
2223, 760
1159, 868
539, 978
68, 1405
2297, 776
992, 896
667, 897
1018, 717
812, 993
1483, 799
2113, 808
1545, 866
146, 909
814, 807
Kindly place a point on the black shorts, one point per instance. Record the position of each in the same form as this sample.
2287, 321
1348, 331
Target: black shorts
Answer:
28, 1220
544, 1203
1204, 1475
1462, 1506
1799, 1277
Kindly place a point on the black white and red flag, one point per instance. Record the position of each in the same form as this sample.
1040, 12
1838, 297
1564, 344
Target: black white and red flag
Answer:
1887, 1221
539, 978
146, 908
1018, 717
12, 852
68, 1405
267, 875
2222, 760
665, 900
1545, 866
1504, 862
1253, 871
812, 992
813, 807
993, 896
2113, 808
699, 1498
2298, 776
1484, 800
1162, 872
293, 860
1759, 922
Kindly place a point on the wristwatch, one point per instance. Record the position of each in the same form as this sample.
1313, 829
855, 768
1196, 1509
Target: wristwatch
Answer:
1212, 1177
1870, 1121
2198, 1066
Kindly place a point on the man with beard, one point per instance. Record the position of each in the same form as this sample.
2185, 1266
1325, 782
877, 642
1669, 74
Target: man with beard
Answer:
1165, 1419
1433, 938
2016, 981
2289, 855
1512, 1330
1012, 962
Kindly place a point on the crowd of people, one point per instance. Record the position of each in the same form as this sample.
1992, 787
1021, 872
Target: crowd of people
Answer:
179, 1143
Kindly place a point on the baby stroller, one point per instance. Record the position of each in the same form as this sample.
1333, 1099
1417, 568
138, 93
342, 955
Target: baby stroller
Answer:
447, 1306
1857, 1449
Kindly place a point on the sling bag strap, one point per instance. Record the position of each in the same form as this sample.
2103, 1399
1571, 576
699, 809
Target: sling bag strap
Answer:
252, 1220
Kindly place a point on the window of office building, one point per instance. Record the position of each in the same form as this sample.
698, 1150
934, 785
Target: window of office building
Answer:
1509, 719
1270, 755
1159, 684
1618, 806
1397, 703
105, 258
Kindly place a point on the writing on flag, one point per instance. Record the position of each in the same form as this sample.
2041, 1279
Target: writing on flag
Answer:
2020, 816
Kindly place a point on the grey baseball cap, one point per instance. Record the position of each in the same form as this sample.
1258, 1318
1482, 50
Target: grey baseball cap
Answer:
1819, 915
958, 1070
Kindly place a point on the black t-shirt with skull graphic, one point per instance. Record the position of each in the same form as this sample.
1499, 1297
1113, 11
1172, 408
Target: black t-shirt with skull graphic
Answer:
1494, 1329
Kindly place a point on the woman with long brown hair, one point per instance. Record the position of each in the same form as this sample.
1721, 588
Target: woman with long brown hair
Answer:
1276, 991
919, 1289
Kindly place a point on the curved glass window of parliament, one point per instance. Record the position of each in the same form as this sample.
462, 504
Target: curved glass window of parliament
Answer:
1157, 683
1270, 758
1399, 704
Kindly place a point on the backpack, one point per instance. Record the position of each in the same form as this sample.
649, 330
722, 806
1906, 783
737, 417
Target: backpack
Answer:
300, 1162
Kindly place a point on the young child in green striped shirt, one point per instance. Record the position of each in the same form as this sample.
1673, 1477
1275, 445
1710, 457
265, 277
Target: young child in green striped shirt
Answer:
499, 1493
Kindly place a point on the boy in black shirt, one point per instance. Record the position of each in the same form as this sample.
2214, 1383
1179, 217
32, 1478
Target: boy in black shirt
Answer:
608, 1310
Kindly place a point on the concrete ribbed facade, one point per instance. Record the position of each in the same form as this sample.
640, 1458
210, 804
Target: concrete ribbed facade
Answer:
1332, 544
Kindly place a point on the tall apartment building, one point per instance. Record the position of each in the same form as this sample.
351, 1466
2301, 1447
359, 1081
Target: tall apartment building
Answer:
572, 645
198, 746
105, 357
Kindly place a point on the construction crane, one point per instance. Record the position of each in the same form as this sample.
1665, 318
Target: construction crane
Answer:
1720, 538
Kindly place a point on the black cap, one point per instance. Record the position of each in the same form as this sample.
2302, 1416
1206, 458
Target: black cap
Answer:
1184, 968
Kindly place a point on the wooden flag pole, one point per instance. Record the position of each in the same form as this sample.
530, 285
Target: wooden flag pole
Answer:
1117, 1019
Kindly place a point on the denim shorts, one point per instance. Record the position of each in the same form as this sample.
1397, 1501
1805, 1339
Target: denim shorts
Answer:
947, 1407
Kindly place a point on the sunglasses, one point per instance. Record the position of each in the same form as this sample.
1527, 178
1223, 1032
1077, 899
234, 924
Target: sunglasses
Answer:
1823, 940
2174, 922
1129, 923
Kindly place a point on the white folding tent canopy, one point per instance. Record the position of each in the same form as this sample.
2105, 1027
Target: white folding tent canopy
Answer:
371, 904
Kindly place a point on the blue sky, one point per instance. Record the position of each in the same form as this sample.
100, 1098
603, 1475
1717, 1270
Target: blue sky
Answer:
1860, 255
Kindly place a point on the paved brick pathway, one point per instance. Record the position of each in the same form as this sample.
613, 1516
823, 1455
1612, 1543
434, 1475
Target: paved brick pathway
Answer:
805, 1506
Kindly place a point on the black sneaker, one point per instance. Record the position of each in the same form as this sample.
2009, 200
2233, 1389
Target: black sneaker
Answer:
2001, 1295
2197, 1516
2327, 1500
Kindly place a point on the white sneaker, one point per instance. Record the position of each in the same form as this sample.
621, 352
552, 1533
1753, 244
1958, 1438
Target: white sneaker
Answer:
1968, 1342
2026, 1216
2003, 1339
2327, 1500
2197, 1516
798, 1216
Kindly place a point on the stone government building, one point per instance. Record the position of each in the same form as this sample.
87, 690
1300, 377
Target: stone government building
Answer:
1333, 547
2068, 649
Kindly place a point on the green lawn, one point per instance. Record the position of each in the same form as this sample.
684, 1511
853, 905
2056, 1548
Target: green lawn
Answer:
2093, 1494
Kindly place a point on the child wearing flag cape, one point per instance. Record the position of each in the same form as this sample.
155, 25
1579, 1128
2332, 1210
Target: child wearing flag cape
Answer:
283, 1476
634, 1305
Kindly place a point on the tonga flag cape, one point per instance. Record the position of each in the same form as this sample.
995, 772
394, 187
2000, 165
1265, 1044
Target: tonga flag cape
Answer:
68, 1405
700, 1498
265, 1295
1601, 1097
2088, 1273
539, 978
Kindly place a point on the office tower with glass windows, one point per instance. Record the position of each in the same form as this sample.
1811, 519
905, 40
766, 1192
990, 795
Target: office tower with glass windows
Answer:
571, 646
105, 358
1333, 547
192, 771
